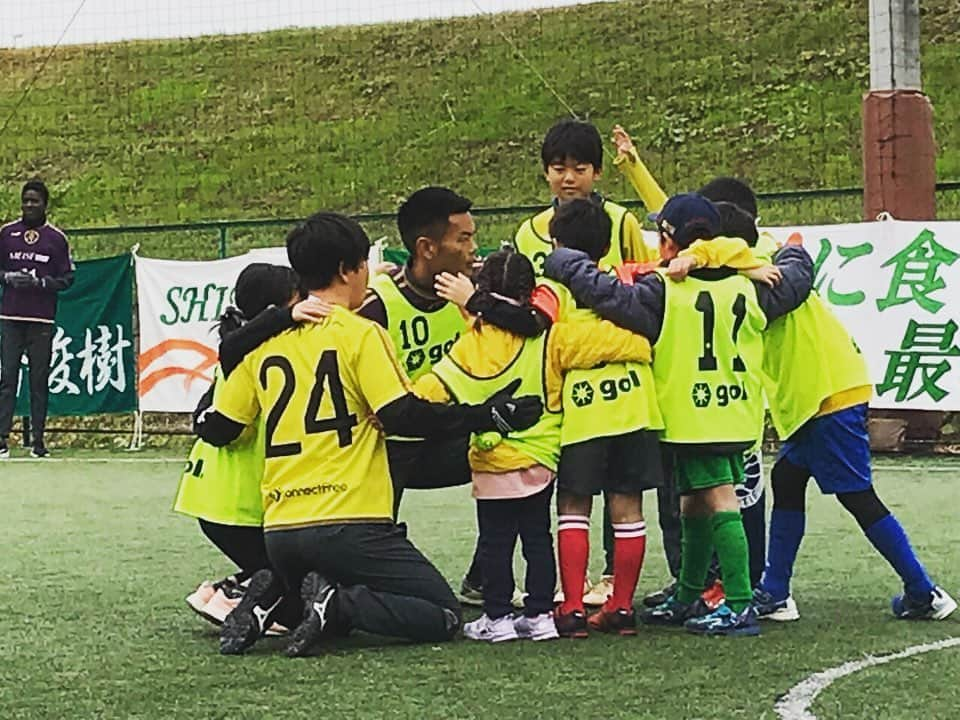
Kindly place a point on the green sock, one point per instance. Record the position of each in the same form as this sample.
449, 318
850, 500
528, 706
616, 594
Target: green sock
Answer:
731, 542
696, 551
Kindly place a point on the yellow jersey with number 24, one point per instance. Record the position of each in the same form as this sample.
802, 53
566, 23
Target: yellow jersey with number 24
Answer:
318, 387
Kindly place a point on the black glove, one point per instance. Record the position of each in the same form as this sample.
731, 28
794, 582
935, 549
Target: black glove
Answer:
509, 414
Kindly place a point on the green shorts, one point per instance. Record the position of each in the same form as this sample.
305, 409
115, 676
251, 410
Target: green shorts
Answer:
700, 472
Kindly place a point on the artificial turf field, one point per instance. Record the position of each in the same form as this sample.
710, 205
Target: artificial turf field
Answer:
96, 567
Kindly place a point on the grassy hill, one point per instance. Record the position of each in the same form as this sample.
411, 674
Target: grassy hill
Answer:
280, 124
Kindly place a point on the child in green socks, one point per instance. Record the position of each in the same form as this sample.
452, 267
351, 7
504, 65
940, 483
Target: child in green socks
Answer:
707, 336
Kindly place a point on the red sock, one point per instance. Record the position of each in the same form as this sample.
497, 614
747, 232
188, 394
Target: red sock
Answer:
629, 546
573, 548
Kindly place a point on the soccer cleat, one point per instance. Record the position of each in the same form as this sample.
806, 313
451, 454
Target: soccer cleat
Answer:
660, 596
619, 622
770, 609
198, 599
538, 627
319, 610
675, 613
724, 621
39, 451
470, 594
571, 625
490, 630
938, 605
598, 594
251, 618
713, 597
4, 450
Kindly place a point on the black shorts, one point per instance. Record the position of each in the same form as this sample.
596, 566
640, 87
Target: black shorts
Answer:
427, 464
624, 464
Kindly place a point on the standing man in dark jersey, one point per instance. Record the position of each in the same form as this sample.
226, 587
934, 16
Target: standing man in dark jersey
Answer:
35, 265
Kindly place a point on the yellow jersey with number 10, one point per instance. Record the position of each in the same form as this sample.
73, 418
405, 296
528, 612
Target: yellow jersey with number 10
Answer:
318, 387
421, 338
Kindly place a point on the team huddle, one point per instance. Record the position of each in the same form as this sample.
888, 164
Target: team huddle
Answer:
578, 362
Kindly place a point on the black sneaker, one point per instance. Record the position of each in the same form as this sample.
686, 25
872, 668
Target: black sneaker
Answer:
660, 596
471, 594
673, 612
252, 617
4, 450
39, 451
319, 614
571, 625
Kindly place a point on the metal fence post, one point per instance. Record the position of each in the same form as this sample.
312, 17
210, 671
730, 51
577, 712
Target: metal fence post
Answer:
223, 241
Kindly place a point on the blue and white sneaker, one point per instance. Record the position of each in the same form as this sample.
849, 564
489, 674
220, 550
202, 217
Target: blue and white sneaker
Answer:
937, 606
724, 621
770, 609
673, 612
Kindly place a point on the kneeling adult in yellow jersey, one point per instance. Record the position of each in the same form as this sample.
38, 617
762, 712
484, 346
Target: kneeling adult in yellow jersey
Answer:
327, 492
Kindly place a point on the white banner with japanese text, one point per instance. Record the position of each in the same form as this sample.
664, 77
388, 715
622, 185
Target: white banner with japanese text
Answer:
895, 285
179, 305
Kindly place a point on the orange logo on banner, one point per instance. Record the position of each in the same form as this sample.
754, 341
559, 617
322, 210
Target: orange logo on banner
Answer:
208, 360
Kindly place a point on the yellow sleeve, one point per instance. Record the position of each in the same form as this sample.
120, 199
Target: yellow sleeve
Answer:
723, 252
586, 343
633, 247
428, 387
643, 182
378, 373
237, 399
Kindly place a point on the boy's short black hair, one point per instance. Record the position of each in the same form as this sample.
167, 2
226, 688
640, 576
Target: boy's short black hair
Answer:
322, 245
427, 213
574, 140
736, 222
37, 186
582, 225
732, 190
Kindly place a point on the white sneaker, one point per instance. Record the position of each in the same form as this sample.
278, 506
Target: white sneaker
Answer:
539, 627
598, 594
788, 613
199, 598
4, 451
943, 604
493, 631
220, 605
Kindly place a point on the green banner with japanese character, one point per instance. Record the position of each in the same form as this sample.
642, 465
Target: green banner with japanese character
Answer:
92, 363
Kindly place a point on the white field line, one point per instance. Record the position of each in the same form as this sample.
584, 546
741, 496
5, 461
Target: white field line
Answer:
795, 704
950, 468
